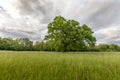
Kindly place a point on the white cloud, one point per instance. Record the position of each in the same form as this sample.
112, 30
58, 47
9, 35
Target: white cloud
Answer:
108, 35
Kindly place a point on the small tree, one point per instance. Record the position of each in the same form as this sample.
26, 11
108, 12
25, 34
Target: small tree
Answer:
67, 35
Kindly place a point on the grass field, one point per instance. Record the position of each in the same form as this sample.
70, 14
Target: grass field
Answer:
59, 66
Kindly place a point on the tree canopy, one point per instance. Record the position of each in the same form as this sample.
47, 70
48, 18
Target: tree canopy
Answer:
68, 35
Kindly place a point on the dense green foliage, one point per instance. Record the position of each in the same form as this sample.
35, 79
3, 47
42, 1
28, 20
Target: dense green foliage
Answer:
24, 44
107, 47
59, 66
68, 35
18, 44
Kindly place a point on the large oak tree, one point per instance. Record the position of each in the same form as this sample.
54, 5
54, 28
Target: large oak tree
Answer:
68, 35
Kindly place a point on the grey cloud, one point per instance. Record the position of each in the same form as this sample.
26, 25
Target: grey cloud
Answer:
33, 13
105, 16
108, 35
41, 10
21, 34
16, 28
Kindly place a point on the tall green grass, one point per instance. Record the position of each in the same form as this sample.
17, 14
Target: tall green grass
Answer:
59, 66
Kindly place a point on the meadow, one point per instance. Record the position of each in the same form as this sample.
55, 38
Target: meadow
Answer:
59, 66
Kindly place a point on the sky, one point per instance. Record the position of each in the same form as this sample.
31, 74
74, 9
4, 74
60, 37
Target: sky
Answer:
29, 18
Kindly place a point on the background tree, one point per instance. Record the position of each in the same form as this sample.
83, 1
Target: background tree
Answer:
107, 47
24, 44
67, 35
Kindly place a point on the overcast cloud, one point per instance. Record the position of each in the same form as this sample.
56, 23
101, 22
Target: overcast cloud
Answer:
29, 18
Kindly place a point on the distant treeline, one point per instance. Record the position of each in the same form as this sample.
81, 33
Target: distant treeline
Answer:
24, 44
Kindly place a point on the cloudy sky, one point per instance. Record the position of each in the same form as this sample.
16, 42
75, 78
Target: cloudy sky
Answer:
29, 18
